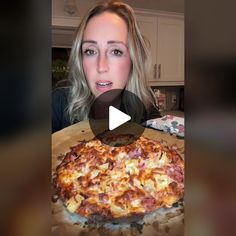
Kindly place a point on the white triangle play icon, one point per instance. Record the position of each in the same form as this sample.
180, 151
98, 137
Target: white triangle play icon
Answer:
117, 118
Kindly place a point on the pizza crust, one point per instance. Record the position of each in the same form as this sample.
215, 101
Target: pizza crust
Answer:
163, 222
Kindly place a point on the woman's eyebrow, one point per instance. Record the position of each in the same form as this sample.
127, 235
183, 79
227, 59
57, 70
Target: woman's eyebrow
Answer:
118, 42
89, 41
115, 41
108, 42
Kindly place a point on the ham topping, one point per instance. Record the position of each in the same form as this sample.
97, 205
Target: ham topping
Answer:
176, 173
148, 203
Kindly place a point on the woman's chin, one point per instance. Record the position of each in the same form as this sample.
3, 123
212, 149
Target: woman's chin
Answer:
106, 96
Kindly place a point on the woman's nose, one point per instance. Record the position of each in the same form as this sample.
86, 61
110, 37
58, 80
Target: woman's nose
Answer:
102, 64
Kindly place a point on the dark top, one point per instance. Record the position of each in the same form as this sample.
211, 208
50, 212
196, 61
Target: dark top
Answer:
60, 118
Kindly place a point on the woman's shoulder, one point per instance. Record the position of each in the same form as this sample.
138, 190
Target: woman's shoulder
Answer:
60, 98
60, 92
60, 117
153, 112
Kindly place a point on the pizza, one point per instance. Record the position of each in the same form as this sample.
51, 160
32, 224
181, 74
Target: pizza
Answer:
106, 182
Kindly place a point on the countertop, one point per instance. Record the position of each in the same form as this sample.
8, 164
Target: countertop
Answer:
173, 113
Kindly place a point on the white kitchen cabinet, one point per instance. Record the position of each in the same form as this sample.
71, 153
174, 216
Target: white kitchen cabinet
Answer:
148, 27
170, 50
166, 36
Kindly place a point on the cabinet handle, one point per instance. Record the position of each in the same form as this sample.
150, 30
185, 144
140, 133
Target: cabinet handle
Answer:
159, 71
155, 71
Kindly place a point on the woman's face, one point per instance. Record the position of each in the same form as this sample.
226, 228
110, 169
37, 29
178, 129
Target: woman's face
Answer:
106, 58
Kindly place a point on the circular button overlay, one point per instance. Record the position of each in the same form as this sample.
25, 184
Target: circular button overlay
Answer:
110, 110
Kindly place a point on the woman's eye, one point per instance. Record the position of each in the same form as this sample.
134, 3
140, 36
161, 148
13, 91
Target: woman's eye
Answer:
117, 52
89, 52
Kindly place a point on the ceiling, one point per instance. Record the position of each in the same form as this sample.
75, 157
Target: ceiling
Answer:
162, 5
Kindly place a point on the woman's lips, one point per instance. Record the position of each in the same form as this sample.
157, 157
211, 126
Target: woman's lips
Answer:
103, 85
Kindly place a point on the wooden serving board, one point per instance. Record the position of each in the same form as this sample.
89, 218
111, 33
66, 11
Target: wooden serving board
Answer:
163, 222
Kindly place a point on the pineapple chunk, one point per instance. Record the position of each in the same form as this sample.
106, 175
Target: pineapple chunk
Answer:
74, 202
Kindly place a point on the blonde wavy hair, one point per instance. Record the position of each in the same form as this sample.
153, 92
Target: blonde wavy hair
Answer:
80, 96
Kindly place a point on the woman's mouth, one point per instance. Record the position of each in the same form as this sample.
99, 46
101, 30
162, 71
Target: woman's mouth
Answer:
103, 85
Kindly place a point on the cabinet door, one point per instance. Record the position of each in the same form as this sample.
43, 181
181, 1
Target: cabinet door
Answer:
170, 50
148, 27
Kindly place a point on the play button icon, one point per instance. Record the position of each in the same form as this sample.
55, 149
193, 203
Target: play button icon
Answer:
117, 118
117, 113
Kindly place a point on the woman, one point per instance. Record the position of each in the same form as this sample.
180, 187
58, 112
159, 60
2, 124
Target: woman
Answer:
109, 52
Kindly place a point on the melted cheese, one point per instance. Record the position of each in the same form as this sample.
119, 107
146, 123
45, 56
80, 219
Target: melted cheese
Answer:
131, 167
84, 170
150, 164
116, 175
137, 183
94, 174
162, 159
120, 156
162, 181
93, 143
105, 187
149, 186
116, 210
122, 186
68, 178
136, 203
